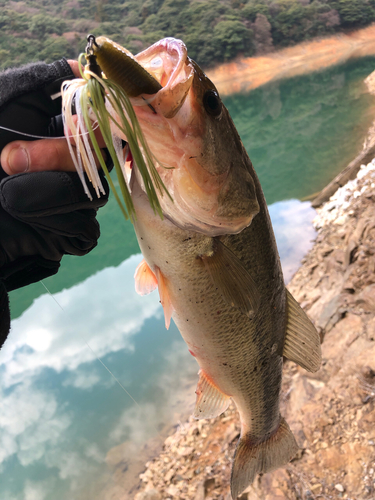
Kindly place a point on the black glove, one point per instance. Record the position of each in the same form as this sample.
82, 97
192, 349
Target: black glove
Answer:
43, 215
30, 100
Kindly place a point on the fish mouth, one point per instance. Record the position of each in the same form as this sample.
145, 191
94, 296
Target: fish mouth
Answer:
168, 63
173, 124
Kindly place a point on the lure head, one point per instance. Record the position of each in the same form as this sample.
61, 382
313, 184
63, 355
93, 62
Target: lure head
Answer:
203, 163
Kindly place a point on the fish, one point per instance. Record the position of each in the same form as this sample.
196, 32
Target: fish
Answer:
214, 260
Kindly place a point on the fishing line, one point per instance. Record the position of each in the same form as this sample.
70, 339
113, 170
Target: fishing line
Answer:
30, 135
42, 136
51, 295
96, 356
116, 379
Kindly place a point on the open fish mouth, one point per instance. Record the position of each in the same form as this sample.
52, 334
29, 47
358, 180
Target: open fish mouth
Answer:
166, 89
163, 69
167, 61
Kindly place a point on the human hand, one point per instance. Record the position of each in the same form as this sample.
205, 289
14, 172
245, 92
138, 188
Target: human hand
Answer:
20, 156
44, 212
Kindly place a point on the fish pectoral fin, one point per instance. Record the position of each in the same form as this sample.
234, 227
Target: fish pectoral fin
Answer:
210, 402
165, 298
254, 458
145, 279
302, 341
232, 279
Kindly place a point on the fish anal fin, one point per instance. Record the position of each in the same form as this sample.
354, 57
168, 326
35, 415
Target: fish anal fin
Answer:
165, 298
145, 279
210, 402
251, 459
232, 279
302, 341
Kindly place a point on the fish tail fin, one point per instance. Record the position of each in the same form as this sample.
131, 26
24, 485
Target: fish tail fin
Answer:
251, 459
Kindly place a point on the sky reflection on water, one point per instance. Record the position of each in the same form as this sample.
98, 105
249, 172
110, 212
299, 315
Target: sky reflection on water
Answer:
61, 411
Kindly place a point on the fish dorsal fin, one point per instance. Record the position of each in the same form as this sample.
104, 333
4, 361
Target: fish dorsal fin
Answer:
302, 342
210, 401
232, 279
145, 279
165, 298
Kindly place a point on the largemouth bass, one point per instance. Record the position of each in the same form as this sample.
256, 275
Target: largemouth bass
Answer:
215, 262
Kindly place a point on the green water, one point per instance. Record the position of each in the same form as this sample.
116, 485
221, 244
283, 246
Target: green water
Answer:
61, 412
301, 132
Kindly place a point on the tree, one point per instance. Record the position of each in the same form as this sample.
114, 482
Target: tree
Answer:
354, 12
40, 25
232, 38
289, 20
254, 7
56, 48
262, 35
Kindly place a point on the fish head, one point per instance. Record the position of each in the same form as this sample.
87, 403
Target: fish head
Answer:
199, 154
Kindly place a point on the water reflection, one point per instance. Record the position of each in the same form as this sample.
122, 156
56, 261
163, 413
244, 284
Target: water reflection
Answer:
62, 415
103, 309
292, 224
301, 132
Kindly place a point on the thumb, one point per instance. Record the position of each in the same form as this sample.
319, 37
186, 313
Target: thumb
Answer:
35, 156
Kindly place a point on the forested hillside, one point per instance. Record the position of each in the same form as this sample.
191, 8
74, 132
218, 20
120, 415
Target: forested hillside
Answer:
214, 30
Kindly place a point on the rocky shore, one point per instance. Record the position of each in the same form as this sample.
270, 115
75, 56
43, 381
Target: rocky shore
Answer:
332, 412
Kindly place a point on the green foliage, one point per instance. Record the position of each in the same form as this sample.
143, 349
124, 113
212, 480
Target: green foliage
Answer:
55, 48
232, 37
213, 30
355, 12
288, 21
173, 16
40, 25
254, 7
13, 21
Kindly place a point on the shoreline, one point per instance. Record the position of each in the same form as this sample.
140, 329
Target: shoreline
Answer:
351, 170
245, 74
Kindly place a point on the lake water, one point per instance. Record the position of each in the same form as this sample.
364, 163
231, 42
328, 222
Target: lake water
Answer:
67, 428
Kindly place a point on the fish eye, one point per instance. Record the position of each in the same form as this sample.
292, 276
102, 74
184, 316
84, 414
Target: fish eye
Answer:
212, 103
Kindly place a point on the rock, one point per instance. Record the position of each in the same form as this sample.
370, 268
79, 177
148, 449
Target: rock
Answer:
209, 485
148, 495
366, 298
172, 490
200, 492
339, 487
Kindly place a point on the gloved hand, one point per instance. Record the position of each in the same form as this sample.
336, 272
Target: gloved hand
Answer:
43, 215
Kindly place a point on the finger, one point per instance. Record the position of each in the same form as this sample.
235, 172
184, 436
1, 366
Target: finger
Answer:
74, 67
35, 156
42, 194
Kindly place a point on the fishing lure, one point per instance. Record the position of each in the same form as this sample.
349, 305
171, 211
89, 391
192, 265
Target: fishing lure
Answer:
101, 99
